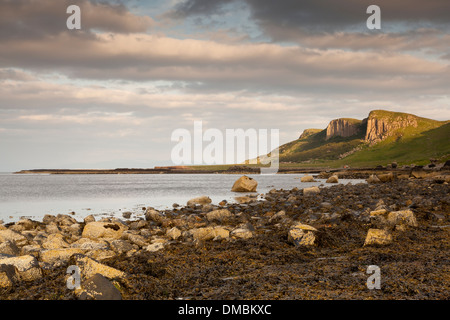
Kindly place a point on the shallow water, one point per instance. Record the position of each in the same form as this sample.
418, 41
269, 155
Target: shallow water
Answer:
34, 195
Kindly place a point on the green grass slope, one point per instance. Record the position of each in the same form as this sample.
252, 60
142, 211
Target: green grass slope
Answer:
412, 144
314, 147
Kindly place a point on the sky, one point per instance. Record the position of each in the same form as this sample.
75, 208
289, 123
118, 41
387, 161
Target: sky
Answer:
111, 94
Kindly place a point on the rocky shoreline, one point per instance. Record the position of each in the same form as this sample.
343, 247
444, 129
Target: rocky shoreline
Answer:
304, 243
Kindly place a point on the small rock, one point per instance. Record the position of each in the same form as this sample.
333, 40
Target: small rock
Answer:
241, 233
373, 179
402, 217
377, 237
173, 233
419, 174
311, 191
137, 240
277, 216
27, 224
89, 244
332, 179
199, 200
52, 228
209, 233
111, 230
55, 241
243, 199
302, 235
99, 287
380, 212
89, 267
218, 215
121, 246
386, 177
307, 179
127, 214
88, 219
154, 247
155, 216
58, 257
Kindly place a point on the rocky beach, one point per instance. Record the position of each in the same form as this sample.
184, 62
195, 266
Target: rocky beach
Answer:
302, 243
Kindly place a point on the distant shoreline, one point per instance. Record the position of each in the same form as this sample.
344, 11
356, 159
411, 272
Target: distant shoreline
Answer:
226, 169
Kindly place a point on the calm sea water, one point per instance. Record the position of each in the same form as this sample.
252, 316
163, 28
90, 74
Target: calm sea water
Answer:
34, 195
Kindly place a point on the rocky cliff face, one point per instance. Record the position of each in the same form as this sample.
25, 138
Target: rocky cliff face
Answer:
343, 128
382, 124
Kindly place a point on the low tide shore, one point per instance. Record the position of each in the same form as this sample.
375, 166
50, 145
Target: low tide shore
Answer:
314, 243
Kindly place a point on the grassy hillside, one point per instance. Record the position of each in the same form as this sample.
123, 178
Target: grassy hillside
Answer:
314, 146
412, 144
409, 146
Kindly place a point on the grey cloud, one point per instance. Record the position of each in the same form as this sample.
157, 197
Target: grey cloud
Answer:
318, 16
26, 19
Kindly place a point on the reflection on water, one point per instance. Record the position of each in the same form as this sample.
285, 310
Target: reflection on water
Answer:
36, 195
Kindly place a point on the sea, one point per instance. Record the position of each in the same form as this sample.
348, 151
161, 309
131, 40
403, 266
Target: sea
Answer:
110, 195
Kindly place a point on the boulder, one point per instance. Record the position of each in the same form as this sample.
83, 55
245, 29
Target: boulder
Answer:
199, 200
307, 179
9, 235
173, 233
380, 212
10, 248
218, 215
137, 239
311, 191
241, 233
65, 220
98, 287
122, 246
27, 267
32, 250
302, 235
333, 179
244, 184
277, 216
89, 267
8, 276
126, 214
209, 233
155, 216
377, 237
89, 244
406, 217
419, 174
26, 224
88, 219
59, 257
55, 241
75, 229
386, 177
155, 247
110, 230
373, 179
243, 199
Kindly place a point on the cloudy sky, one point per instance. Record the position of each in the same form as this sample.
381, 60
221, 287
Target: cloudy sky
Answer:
111, 94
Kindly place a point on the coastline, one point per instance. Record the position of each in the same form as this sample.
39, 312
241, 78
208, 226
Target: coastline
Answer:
250, 250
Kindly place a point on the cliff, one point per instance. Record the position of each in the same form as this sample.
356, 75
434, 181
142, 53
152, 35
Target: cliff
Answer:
381, 137
382, 124
344, 127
